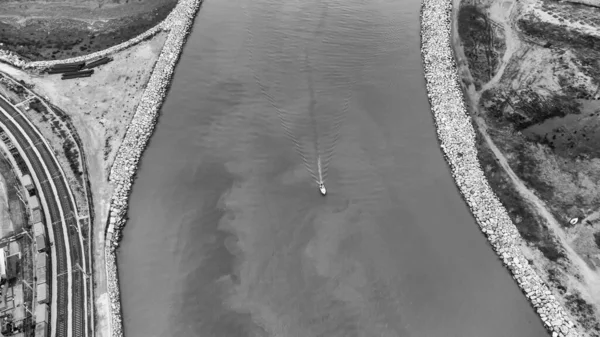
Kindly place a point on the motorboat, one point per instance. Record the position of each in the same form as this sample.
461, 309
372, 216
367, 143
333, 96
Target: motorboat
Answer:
322, 188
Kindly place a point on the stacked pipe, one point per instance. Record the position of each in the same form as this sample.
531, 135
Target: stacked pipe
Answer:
65, 68
98, 62
77, 74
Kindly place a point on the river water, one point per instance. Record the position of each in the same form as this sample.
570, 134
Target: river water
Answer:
228, 234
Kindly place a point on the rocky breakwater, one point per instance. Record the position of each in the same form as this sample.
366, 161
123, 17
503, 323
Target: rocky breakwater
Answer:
11, 58
179, 24
457, 140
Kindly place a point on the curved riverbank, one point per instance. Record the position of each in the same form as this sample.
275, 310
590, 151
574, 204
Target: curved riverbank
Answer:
457, 140
140, 129
16, 61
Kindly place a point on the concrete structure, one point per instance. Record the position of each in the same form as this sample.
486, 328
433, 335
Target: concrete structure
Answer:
2, 264
36, 215
41, 313
27, 182
41, 260
12, 263
42, 293
42, 275
40, 242
39, 228
33, 202
41, 330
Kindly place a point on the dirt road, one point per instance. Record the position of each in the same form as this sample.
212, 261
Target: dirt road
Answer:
589, 286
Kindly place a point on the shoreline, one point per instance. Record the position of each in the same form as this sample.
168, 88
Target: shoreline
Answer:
456, 135
123, 170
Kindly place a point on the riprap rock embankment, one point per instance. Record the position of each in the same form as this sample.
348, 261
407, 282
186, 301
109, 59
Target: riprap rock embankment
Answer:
457, 140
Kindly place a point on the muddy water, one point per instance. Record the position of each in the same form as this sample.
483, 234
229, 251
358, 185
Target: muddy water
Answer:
228, 234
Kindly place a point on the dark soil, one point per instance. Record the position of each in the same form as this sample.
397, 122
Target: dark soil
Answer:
482, 47
49, 39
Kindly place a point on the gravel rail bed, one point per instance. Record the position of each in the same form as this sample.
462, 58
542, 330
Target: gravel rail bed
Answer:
457, 139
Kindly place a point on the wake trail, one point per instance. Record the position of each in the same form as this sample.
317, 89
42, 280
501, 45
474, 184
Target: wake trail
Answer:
312, 115
287, 125
324, 133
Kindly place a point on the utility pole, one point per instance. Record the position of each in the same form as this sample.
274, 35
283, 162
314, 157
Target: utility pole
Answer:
72, 271
28, 285
82, 271
20, 196
28, 235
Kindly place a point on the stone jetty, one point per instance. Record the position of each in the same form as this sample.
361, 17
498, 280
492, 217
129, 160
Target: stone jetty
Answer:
179, 24
457, 140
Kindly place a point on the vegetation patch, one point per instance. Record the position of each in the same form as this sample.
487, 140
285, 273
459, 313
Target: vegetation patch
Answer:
572, 12
49, 38
482, 45
559, 35
585, 313
528, 223
520, 109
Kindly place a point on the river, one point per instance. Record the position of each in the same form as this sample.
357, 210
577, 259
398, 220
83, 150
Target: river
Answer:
228, 235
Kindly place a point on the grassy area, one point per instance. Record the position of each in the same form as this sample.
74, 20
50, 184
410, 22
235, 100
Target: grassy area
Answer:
14, 93
528, 223
48, 38
576, 13
542, 116
481, 44
555, 159
521, 109
560, 36
585, 47
585, 313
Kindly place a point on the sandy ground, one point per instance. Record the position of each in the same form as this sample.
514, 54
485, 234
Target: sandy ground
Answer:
100, 108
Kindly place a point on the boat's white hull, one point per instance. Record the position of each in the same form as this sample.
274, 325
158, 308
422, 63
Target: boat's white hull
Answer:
323, 190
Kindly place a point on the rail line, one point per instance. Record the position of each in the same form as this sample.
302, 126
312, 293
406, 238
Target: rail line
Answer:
70, 281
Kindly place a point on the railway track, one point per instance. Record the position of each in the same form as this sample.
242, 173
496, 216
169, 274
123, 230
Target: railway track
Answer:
70, 290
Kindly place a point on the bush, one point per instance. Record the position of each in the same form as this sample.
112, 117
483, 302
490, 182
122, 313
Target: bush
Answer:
597, 239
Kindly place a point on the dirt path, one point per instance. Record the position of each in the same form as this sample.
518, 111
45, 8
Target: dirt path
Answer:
500, 13
591, 278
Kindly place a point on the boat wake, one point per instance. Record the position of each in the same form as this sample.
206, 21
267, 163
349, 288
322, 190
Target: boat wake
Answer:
316, 134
